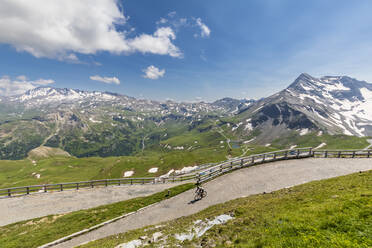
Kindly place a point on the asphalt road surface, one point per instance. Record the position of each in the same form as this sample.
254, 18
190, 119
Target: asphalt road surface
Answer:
38, 205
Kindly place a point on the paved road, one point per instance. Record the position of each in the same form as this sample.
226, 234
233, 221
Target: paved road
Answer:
38, 205
257, 179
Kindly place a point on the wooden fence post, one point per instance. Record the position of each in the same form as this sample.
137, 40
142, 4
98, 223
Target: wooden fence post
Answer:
119, 182
353, 154
61, 186
326, 154
368, 153
263, 157
92, 184
252, 160
310, 152
241, 163
77, 186
339, 154
106, 182
45, 189
28, 190
9, 193
298, 153
286, 154
274, 157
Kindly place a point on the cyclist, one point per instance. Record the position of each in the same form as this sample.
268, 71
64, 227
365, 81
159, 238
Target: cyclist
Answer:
200, 192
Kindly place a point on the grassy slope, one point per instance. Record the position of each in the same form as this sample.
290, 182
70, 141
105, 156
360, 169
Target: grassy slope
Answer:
332, 141
329, 213
36, 232
69, 169
207, 149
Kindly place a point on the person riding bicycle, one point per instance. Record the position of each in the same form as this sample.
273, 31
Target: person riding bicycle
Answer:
200, 192
198, 186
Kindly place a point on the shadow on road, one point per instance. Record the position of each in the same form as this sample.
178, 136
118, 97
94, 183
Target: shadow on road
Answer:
193, 201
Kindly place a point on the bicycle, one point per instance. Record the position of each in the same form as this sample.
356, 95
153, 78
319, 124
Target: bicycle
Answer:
200, 193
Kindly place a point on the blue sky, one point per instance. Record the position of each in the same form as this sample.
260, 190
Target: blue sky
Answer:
203, 49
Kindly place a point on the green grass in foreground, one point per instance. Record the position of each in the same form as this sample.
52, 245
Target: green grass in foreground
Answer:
39, 231
329, 213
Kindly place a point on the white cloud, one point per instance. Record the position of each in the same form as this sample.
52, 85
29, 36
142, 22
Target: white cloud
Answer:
106, 80
43, 82
59, 29
205, 31
162, 21
152, 72
172, 14
158, 43
9, 87
22, 78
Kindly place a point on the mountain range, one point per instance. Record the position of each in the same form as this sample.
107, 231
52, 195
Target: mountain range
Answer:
107, 124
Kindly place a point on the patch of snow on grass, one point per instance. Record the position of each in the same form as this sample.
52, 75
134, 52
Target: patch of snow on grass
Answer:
168, 174
153, 170
249, 141
94, 121
186, 169
304, 131
248, 127
156, 236
178, 148
267, 145
293, 147
128, 173
201, 227
132, 244
321, 145
237, 126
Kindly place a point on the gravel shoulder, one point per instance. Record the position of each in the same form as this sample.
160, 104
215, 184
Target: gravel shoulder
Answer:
253, 180
38, 205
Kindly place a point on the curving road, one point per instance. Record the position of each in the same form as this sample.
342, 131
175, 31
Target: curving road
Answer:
253, 180
38, 205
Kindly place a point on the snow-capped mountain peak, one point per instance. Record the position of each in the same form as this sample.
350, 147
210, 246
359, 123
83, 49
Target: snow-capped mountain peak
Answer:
340, 102
45, 95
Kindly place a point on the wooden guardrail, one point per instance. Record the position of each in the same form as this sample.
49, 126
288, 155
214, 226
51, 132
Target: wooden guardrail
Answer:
26, 190
342, 153
200, 177
222, 168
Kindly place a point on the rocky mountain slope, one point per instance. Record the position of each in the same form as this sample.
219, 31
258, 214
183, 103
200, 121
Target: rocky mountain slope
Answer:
95, 123
106, 124
336, 105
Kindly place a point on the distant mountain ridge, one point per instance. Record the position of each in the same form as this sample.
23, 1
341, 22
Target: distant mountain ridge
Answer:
96, 123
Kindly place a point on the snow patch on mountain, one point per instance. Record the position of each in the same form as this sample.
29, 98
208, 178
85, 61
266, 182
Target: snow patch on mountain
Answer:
338, 102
